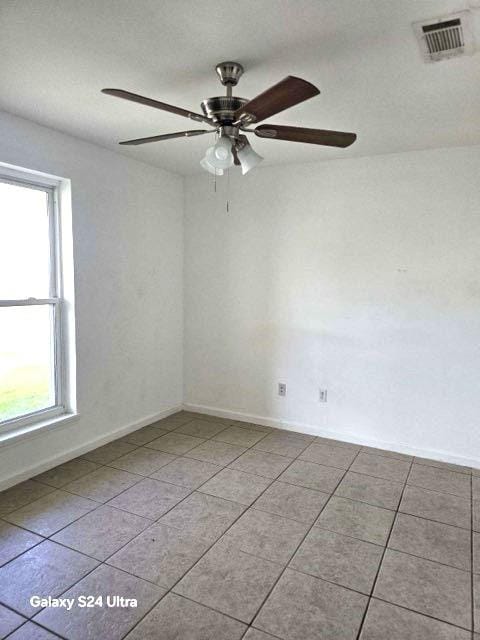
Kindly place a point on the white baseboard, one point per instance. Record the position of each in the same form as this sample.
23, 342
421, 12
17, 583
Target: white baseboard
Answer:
434, 454
34, 470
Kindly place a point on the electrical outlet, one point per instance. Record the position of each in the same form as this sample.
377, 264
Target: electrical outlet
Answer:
322, 396
282, 389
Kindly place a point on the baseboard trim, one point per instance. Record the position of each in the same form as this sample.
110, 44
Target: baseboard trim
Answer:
434, 454
34, 470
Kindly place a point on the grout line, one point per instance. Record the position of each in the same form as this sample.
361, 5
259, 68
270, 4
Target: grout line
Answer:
444, 466
54, 633
380, 564
153, 522
414, 555
263, 632
170, 590
100, 504
299, 544
448, 493
25, 550
207, 606
446, 524
426, 615
271, 481
362, 593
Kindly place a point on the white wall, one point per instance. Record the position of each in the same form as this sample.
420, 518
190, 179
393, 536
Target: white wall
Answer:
361, 276
128, 251
358, 275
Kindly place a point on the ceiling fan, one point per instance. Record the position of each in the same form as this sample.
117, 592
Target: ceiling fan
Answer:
230, 116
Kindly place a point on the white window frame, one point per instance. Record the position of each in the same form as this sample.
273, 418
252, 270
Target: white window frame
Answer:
60, 301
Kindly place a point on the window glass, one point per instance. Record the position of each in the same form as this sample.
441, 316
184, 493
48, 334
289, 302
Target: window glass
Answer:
24, 242
27, 365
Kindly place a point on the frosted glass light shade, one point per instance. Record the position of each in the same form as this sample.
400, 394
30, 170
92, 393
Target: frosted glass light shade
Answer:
205, 164
220, 156
249, 158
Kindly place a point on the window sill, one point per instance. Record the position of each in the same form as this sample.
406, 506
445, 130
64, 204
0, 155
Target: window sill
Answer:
16, 435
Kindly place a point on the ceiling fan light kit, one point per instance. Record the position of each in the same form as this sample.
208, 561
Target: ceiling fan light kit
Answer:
220, 156
247, 157
205, 164
230, 116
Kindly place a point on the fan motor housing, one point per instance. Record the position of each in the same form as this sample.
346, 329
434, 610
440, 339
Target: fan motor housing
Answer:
222, 108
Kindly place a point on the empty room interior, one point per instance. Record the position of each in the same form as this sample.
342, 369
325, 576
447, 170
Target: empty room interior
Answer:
240, 320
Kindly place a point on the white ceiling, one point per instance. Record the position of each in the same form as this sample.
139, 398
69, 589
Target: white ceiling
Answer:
56, 56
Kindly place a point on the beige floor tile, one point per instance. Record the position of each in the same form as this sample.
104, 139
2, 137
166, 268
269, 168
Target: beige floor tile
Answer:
261, 463
432, 540
302, 606
150, 498
444, 465
240, 436
242, 593
387, 453
21, 494
385, 620
340, 559
312, 476
433, 505
282, 444
160, 554
64, 473
102, 532
339, 457
51, 513
102, 622
442, 480
175, 443
255, 634
293, 502
109, 452
187, 472
238, 486
47, 570
14, 541
204, 515
176, 618
143, 461
103, 484
32, 631
201, 428
375, 491
144, 435
216, 452
427, 587
266, 535
381, 467
9, 621
357, 519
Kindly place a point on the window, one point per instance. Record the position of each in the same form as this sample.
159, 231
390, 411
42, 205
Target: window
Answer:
34, 358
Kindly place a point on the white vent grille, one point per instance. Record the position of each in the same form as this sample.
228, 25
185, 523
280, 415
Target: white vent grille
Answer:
445, 37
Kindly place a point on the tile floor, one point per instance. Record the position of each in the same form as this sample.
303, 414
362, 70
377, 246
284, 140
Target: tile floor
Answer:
224, 530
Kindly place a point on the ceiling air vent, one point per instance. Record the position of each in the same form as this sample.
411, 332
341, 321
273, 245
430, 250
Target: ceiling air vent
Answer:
445, 37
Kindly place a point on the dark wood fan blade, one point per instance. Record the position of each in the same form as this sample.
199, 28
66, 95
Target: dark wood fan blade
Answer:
133, 97
167, 136
310, 136
283, 95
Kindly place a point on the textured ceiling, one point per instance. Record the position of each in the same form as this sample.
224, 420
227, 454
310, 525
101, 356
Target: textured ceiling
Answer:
56, 55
